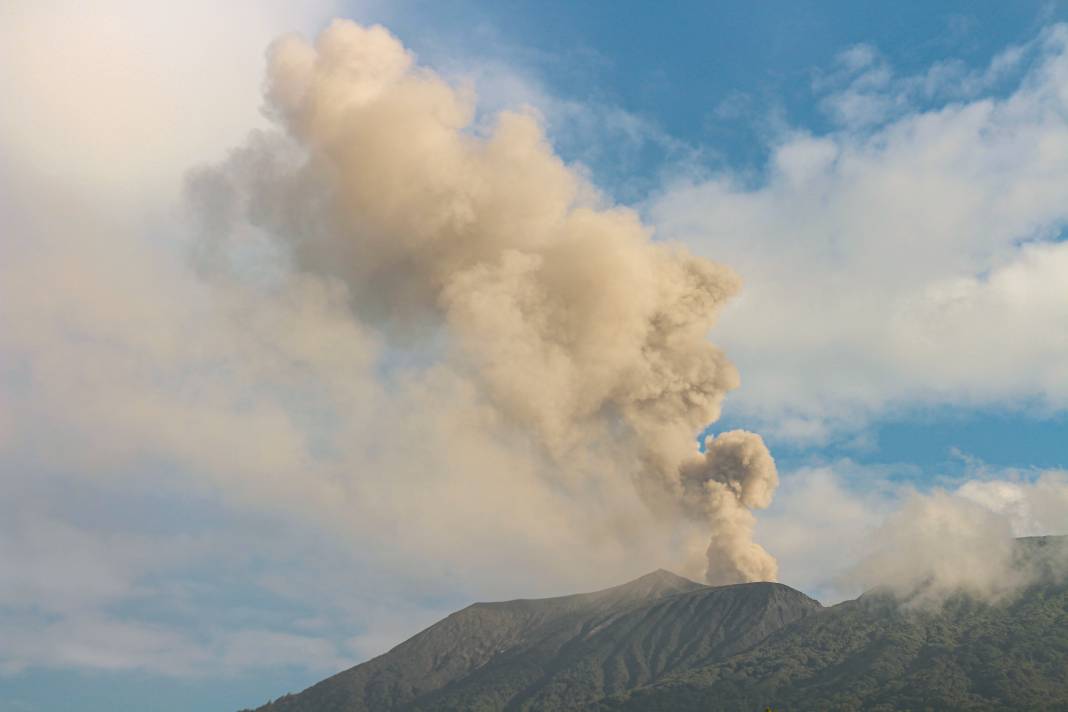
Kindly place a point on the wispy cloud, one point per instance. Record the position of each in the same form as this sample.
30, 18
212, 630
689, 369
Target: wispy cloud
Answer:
910, 259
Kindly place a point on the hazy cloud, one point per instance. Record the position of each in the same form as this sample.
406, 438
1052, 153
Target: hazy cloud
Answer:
843, 528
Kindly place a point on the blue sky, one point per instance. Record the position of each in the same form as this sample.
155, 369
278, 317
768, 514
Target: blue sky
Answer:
212, 494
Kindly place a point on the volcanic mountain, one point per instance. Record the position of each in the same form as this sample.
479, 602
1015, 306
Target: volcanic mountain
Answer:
662, 642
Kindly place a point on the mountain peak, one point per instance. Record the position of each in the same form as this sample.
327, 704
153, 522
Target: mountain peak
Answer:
665, 575
559, 653
661, 580
653, 585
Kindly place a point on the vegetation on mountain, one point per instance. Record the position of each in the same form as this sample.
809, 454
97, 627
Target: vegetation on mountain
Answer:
875, 654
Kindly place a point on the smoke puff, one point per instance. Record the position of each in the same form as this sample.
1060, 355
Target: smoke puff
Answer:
578, 328
740, 462
735, 475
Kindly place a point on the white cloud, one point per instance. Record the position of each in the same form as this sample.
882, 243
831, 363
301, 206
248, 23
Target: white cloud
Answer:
206, 595
911, 263
120, 96
102, 642
119, 371
96, 643
842, 528
818, 525
863, 90
1033, 508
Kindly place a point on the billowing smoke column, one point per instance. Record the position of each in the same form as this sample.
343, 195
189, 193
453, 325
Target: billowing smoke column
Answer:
575, 325
736, 475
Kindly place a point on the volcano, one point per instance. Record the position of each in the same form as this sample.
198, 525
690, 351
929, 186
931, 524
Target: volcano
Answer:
663, 642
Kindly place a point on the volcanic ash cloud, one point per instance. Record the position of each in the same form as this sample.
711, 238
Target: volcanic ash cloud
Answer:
475, 236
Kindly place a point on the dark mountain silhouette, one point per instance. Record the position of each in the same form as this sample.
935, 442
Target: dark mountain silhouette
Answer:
557, 653
663, 642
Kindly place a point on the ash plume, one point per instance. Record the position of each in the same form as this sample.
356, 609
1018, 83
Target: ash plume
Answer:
476, 246
735, 476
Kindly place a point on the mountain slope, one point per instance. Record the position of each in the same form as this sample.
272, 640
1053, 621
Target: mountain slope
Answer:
875, 654
662, 642
556, 653
872, 654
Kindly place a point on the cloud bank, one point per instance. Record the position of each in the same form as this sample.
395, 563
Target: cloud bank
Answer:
843, 529
912, 256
